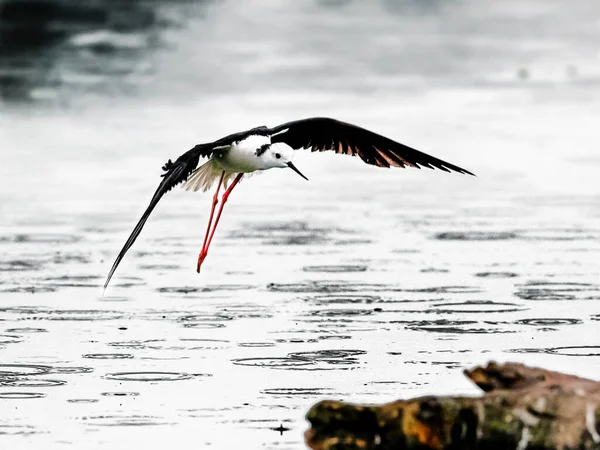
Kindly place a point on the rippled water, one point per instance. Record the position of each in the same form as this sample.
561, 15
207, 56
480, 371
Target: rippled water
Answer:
364, 284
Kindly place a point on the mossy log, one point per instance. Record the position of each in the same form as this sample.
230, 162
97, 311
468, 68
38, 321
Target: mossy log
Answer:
522, 408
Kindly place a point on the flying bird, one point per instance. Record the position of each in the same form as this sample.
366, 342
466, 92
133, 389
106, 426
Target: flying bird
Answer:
264, 148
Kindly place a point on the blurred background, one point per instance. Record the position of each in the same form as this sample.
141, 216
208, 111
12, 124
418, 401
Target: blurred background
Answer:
363, 285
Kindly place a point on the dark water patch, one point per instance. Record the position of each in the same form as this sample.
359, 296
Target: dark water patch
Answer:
560, 234
82, 400
135, 344
28, 289
345, 242
287, 233
147, 376
108, 356
26, 330
203, 289
116, 299
297, 392
65, 314
68, 370
91, 281
595, 317
335, 269
296, 341
448, 326
205, 317
277, 363
316, 287
256, 344
246, 311
333, 337
434, 270
582, 350
476, 236
496, 274
125, 421
343, 299
23, 370
341, 312
9, 339
187, 344
557, 291
120, 394
204, 325
448, 364
320, 355
548, 322
447, 290
20, 265
21, 395
68, 258
17, 430
41, 238
24, 382
476, 306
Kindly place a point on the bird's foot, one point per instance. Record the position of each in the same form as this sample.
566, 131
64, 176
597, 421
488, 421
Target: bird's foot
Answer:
201, 258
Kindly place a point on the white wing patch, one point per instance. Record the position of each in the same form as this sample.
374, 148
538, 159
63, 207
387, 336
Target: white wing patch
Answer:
203, 178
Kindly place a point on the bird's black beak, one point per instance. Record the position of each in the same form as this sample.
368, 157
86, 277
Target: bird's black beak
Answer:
295, 169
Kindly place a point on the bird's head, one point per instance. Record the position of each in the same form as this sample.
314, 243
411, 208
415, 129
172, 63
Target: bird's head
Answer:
280, 155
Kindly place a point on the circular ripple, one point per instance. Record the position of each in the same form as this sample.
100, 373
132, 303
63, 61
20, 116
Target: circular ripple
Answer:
546, 322
27, 330
496, 274
343, 299
23, 369
335, 269
32, 383
120, 394
205, 318
273, 362
289, 392
82, 400
70, 370
256, 344
476, 236
147, 376
341, 312
135, 345
21, 395
327, 354
583, 350
477, 306
9, 339
108, 356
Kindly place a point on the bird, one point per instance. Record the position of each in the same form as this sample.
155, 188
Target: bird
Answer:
263, 148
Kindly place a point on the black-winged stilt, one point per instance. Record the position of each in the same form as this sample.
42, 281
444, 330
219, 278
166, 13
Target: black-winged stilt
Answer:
265, 148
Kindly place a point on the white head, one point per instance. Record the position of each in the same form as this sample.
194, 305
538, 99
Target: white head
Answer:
279, 155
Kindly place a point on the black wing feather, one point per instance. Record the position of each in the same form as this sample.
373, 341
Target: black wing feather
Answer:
175, 173
322, 134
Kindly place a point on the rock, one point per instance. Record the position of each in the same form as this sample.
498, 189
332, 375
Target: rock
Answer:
522, 408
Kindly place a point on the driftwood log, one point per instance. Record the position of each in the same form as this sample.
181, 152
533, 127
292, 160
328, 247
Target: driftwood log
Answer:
522, 408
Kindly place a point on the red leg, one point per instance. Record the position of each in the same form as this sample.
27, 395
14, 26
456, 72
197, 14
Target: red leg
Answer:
223, 201
212, 213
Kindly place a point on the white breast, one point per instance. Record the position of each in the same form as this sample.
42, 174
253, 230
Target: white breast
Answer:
241, 156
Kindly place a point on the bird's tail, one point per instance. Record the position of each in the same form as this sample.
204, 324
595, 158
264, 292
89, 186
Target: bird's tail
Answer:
203, 178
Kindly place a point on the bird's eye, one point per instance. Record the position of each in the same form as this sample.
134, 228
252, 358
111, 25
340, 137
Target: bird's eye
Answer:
277, 155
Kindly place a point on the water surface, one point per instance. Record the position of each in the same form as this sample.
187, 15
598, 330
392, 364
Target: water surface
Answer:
363, 285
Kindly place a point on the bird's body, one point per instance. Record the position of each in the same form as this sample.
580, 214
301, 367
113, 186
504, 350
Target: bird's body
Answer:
262, 148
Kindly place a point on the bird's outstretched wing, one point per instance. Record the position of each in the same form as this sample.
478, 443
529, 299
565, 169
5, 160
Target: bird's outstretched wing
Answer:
322, 134
175, 173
